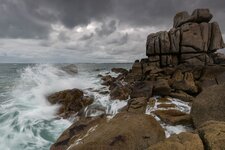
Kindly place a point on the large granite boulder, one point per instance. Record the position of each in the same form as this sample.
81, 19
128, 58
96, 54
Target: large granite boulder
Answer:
182, 141
209, 105
125, 131
212, 134
202, 15
71, 101
198, 16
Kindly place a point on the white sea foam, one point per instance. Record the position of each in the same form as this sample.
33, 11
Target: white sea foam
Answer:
28, 121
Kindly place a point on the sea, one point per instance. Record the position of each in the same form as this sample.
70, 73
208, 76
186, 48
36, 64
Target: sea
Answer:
29, 122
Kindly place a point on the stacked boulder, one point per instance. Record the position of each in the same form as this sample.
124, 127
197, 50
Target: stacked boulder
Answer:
191, 40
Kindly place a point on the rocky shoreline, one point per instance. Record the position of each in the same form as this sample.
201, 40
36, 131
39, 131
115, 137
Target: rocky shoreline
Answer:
182, 82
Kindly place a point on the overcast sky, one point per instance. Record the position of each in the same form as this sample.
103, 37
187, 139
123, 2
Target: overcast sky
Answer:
49, 31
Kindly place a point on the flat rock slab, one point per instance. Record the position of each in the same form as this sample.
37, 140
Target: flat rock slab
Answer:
173, 117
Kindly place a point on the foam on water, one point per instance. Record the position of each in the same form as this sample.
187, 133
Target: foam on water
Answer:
28, 121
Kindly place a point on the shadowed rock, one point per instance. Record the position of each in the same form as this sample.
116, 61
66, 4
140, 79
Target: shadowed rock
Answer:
209, 105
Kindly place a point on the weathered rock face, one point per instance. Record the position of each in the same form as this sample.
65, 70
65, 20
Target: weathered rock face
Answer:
182, 141
125, 131
212, 134
190, 41
209, 105
71, 101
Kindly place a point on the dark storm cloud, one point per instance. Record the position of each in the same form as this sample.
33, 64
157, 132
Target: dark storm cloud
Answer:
33, 18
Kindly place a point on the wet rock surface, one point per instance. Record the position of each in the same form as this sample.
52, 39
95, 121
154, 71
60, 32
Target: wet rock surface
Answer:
71, 101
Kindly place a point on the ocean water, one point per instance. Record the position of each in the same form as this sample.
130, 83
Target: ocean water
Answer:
28, 121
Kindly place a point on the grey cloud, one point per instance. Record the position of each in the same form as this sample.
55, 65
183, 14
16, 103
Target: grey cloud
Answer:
119, 40
86, 37
16, 21
33, 18
106, 28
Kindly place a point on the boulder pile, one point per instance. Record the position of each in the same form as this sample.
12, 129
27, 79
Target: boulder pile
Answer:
191, 40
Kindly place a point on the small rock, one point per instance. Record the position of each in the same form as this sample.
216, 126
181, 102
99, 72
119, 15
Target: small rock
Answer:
173, 117
137, 105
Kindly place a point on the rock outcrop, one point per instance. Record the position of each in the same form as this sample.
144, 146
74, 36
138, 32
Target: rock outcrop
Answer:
191, 40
